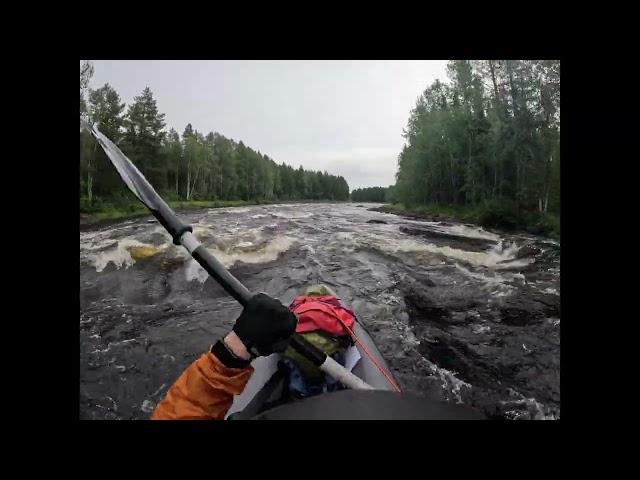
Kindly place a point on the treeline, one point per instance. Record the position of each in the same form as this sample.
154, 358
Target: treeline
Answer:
370, 194
490, 138
190, 166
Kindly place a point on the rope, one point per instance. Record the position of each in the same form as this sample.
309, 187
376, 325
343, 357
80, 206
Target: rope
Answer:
378, 366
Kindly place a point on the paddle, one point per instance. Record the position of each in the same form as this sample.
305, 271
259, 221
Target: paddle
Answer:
182, 235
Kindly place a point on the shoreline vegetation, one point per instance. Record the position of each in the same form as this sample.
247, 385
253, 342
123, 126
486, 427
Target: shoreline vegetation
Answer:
192, 170
544, 224
483, 148
108, 213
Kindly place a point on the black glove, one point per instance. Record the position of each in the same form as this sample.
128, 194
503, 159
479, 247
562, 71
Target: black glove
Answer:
265, 325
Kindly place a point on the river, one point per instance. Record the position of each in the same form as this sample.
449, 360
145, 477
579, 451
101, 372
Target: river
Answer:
461, 314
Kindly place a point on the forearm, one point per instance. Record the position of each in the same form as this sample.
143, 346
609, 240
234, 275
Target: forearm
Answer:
204, 391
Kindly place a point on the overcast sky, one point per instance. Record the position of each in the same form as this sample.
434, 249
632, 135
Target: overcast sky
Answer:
345, 117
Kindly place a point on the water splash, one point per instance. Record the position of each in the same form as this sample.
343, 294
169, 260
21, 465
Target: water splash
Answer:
245, 252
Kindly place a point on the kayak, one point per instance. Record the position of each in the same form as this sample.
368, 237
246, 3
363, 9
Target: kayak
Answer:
265, 395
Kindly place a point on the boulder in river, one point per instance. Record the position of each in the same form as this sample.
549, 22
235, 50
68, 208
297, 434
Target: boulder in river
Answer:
140, 252
522, 310
528, 251
376, 221
449, 239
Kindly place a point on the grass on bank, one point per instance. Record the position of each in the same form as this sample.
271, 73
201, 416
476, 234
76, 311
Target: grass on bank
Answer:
100, 210
492, 215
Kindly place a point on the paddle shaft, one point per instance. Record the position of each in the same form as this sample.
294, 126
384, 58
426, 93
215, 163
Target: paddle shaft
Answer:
238, 291
182, 234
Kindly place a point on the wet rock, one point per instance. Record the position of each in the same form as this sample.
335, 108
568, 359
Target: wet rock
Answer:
518, 317
170, 264
86, 219
424, 279
139, 253
421, 308
527, 251
156, 239
448, 239
376, 221
522, 310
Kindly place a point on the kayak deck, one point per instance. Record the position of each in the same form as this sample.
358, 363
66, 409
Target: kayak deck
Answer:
266, 386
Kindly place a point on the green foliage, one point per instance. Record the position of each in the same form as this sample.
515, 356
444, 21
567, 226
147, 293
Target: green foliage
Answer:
369, 194
491, 215
391, 195
193, 167
487, 139
143, 137
501, 213
106, 111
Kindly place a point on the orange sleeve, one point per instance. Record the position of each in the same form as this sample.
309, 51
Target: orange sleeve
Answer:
204, 391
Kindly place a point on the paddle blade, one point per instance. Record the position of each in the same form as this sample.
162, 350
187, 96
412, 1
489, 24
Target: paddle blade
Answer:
126, 169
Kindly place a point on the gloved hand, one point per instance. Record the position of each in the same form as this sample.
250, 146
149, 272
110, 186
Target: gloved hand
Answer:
264, 327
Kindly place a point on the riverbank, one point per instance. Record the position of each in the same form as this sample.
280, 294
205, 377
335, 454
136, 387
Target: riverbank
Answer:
108, 213
537, 224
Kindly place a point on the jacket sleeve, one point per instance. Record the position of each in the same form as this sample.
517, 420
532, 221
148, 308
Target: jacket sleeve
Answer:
204, 391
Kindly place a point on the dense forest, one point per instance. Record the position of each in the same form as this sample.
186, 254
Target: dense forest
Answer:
370, 194
489, 139
190, 166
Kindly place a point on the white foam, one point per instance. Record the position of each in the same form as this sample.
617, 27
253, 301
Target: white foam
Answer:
481, 328
469, 232
267, 252
534, 408
449, 381
308, 248
194, 271
294, 215
494, 258
494, 280
119, 254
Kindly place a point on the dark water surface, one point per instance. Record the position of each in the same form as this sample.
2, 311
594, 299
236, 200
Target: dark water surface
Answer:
461, 314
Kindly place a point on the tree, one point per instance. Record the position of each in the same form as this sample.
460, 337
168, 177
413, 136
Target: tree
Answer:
87, 145
173, 153
489, 135
191, 166
194, 157
143, 138
86, 72
106, 112
370, 194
